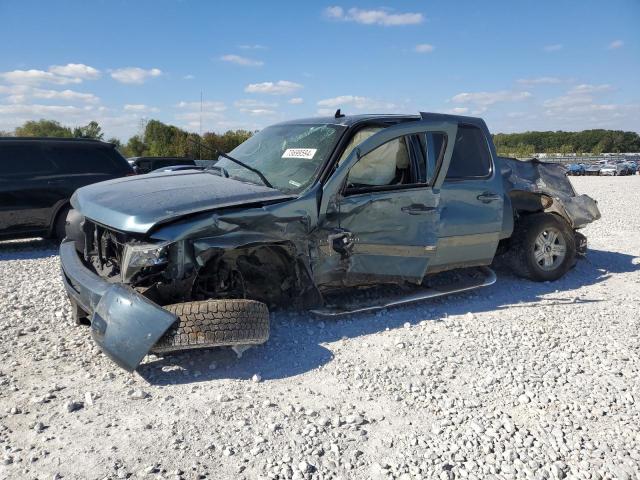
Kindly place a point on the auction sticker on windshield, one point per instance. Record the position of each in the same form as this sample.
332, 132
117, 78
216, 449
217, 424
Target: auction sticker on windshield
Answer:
305, 153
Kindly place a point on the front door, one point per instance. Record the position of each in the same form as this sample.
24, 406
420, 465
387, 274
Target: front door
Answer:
381, 208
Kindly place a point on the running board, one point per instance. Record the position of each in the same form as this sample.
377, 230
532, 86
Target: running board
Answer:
487, 277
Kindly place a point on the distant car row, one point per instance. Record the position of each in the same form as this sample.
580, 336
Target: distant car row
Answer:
39, 175
603, 168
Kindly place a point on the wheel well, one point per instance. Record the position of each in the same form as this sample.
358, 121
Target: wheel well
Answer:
526, 203
268, 273
56, 216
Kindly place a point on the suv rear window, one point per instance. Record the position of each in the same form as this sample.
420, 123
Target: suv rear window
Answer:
19, 159
471, 157
87, 159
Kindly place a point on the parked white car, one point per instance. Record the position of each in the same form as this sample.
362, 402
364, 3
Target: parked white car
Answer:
609, 169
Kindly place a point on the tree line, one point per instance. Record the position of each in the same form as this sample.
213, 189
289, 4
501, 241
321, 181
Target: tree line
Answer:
160, 139
586, 141
157, 139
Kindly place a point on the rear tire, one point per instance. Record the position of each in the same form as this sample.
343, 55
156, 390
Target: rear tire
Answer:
543, 247
215, 323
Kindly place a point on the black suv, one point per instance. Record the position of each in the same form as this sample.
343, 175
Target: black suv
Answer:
149, 164
39, 175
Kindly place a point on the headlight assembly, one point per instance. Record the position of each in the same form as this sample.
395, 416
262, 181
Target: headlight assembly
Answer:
137, 256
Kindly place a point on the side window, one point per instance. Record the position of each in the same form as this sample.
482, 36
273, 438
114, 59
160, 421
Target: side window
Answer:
471, 157
78, 159
389, 164
24, 160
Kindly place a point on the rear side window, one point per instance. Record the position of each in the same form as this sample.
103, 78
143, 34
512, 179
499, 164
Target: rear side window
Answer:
87, 159
471, 157
24, 160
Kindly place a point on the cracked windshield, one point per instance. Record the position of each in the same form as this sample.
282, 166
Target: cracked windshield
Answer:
287, 155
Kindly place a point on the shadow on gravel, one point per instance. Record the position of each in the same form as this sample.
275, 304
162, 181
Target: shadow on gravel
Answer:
28, 249
296, 343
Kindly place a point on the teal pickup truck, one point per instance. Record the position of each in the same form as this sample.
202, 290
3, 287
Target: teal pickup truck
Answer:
334, 215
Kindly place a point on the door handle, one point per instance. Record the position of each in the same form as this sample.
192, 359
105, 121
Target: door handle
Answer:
417, 209
488, 197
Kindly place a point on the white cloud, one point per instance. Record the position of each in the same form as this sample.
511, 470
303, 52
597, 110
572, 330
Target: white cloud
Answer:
424, 48
383, 17
251, 103
282, 87
616, 44
193, 116
243, 61
211, 110
255, 46
32, 111
210, 106
188, 77
578, 99
139, 108
22, 93
134, 75
55, 74
540, 81
36, 77
458, 111
553, 48
296, 101
585, 89
485, 99
66, 95
357, 102
257, 112
567, 101
76, 70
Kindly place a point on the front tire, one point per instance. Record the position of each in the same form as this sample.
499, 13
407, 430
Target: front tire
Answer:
215, 323
543, 247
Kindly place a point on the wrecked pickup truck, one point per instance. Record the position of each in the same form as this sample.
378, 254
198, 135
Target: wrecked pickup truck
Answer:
302, 211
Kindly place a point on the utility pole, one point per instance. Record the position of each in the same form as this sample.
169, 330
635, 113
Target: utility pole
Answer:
200, 133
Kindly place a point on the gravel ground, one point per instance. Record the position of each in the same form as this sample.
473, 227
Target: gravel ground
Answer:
518, 380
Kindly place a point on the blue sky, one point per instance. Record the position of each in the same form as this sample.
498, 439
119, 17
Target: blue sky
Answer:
542, 65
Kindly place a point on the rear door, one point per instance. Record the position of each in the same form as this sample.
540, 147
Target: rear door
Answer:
381, 207
26, 197
472, 203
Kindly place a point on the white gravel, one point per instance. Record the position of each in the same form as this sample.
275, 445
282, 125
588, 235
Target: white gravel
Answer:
519, 380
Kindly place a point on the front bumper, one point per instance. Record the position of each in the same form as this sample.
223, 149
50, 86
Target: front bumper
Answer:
124, 324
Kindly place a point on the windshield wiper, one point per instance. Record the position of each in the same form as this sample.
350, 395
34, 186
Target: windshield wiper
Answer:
234, 160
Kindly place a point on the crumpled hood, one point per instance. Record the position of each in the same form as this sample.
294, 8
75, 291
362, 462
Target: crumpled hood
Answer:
136, 204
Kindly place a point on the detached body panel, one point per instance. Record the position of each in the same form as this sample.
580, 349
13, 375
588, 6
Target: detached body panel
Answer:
124, 324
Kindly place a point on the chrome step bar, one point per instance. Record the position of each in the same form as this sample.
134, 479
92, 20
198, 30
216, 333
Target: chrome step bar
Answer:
489, 278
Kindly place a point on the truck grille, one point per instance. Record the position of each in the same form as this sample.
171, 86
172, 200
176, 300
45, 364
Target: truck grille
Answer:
103, 249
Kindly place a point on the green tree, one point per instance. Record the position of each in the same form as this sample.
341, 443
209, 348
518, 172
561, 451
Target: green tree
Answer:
135, 148
115, 141
43, 128
90, 130
565, 149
